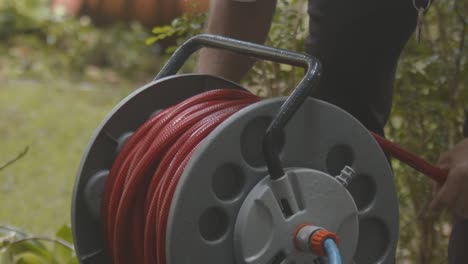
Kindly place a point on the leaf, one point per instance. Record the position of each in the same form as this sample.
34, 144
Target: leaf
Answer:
170, 49
65, 233
29, 258
34, 247
151, 40
163, 29
61, 253
73, 260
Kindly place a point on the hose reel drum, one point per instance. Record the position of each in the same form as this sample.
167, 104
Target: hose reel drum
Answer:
227, 208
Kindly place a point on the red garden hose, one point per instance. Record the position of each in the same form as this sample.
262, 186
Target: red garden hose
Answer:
437, 174
143, 178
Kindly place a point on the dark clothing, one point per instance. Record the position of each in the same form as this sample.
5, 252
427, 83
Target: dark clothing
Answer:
458, 244
359, 43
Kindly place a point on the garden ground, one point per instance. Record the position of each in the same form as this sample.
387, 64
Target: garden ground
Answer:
55, 119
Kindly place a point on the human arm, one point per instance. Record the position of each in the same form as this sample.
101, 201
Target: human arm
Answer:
249, 21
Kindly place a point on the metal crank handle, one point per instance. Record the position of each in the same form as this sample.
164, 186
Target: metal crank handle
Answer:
289, 107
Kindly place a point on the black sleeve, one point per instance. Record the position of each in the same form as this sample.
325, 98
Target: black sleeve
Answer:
458, 244
359, 44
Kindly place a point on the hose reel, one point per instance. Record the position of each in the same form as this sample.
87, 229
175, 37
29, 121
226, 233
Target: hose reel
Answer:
228, 206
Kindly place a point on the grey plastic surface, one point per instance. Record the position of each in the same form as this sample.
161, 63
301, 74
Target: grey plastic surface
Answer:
108, 140
321, 137
262, 232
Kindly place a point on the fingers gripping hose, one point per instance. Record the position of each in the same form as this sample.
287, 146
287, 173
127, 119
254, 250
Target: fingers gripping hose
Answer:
144, 176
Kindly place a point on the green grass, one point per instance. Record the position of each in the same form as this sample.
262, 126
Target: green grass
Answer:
56, 120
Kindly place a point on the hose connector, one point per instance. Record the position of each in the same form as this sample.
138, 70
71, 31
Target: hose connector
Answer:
317, 241
312, 238
347, 174
303, 235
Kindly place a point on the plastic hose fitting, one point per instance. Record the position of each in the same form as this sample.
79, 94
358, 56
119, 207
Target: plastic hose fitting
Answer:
312, 238
317, 241
346, 175
303, 235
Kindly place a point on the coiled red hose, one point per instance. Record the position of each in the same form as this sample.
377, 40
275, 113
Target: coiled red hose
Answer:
435, 173
144, 176
141, 183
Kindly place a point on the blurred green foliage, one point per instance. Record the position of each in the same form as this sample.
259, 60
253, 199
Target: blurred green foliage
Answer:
39, 43
59, 77
288, 31
18, 247
181, 28
431, 95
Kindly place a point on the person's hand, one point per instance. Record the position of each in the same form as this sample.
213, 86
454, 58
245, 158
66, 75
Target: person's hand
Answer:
454, 193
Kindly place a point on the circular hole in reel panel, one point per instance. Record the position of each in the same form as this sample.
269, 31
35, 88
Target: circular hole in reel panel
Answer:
338, 157
213, 224
363, 190
228, 182
373, 242
108, 140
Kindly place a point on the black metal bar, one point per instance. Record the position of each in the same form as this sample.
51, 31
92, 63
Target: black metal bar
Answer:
246, 48
287, 110
290, 106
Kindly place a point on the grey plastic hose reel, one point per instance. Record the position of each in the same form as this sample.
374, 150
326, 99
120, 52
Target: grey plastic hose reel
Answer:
226, 209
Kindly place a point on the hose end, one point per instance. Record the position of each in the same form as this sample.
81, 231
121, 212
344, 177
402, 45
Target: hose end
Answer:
317, 241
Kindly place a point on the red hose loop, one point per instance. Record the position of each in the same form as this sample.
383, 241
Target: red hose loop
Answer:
412, 160
144, 176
